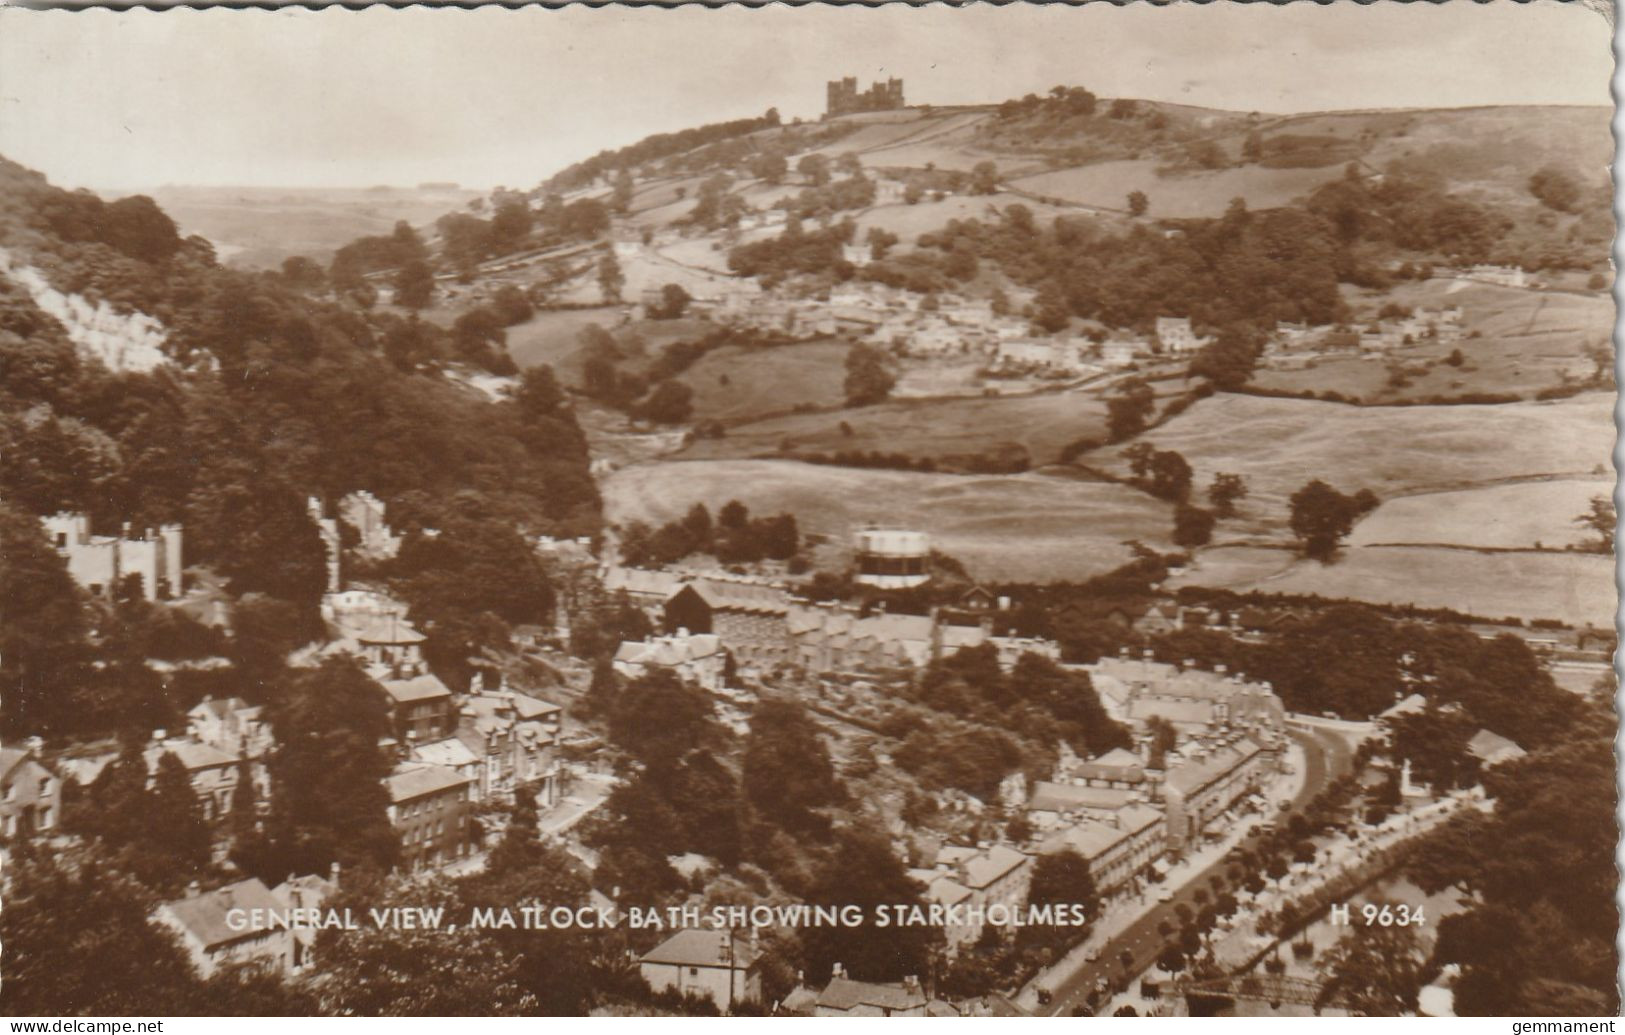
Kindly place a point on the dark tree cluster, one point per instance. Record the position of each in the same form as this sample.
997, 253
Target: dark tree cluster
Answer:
734, 537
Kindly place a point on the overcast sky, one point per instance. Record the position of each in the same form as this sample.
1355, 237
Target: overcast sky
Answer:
141, 99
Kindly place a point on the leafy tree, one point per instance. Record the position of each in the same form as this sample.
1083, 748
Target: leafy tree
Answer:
174, 819
42, 630
1555, 188
674, 302
1138, 203
1129, 408
770, 167
79, 939
611, 281
414, 285
1193, 526
1063, 878
863, 871
621, 196
658, 719
672, 402
1374, 971
984, 178
1321, 517
787, 772
328, 798
1601, 520
411, 972
1224, 492
1170, 476
868, 381
814, 168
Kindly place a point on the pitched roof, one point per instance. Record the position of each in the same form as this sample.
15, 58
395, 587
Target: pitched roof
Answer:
192, 755
1089, 838
641, 581
448, 752
1063, 797
987, 867
1492, 747
700, 947
426, 687
845, 994
752, 597
415, 781
386, 629
203, 916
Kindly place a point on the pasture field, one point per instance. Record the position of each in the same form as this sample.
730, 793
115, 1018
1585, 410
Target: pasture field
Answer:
1576, 588
733, 383
1184, 196
1278, 445
1041, 424
1514, 516
1024, 527
908, 222
553, 337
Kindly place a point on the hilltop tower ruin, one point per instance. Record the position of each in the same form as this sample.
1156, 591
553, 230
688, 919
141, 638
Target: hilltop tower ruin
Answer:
844, 98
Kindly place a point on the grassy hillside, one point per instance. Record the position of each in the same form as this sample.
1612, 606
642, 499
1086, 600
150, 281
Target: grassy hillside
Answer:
1014, 527
1575, 588
1280, 444
1039, 424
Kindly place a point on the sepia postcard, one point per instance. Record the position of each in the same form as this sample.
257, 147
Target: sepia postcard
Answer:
808, 511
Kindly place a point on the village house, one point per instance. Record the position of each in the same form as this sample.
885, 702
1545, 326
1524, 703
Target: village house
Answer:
844, 997
307, 892
997, 875
1214, 774
428, 807
1121, 352
216, 927
231, 725
516, 738
1176, 336
420, 707
30, 793
1492, 749
1118, 849
697, 659
716, 965
101, 563
747, 617
213, 773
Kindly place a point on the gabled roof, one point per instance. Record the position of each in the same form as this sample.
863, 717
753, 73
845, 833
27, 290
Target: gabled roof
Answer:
700, 947
1089, 838
845, 994
1061, 797
1492, 747
448, 752
192, 755
426, 687
750, 597
987, 867
415, 781
203, 916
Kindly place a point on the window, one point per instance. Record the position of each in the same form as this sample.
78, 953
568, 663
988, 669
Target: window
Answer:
45, 819
11, 792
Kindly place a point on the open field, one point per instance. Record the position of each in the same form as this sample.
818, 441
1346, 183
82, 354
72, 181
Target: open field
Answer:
1107, 184
908, 222
733, 383
1515, 516
553, 337
1576, 588
1280, 444
1016, 527
1041, 424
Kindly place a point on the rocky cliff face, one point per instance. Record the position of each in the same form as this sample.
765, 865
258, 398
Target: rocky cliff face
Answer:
121, 341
